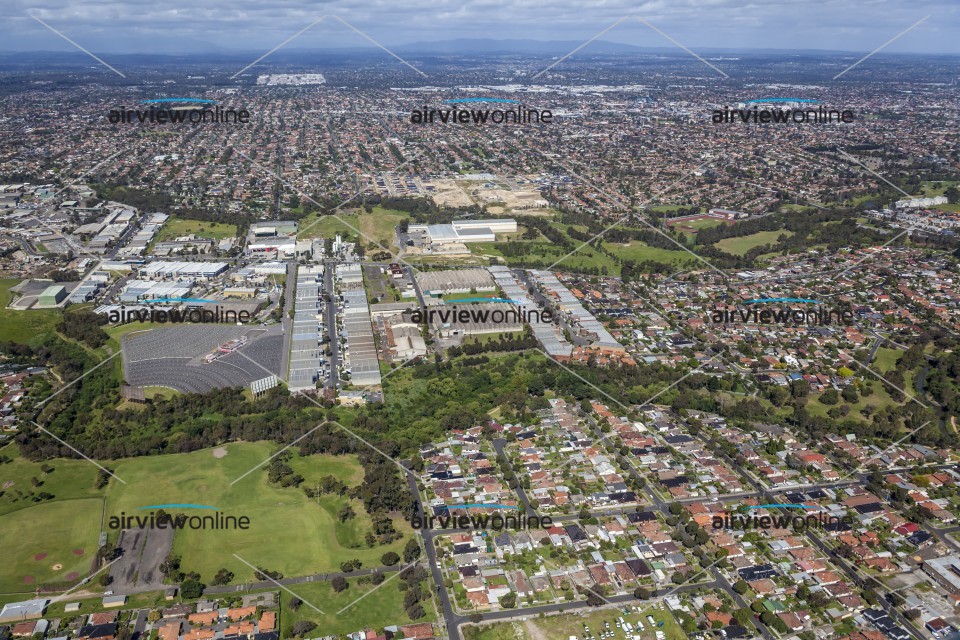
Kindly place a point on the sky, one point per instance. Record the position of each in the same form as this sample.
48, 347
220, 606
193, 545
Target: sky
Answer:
167, 26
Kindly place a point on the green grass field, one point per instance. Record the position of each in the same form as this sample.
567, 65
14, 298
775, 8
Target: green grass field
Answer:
384, 606
288, 532
69, 480
51, 541
930, 190
484, 338
30, 326
317, 226
585, 258
739, 246
159, 392
886, 359
176, 227
638, 252
878, 399
379, 226
799, 208
703, 223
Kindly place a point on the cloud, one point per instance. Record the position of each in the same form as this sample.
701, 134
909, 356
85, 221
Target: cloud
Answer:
250, 25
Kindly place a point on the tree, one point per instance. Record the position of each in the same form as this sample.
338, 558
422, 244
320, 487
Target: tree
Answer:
303, 627
224, 576
295, 602
416, 612
191, 589
742, 616
830, 397
594, 599
390, 558
412, 551
741, 586
849, 394
339, 584
476, 618
509, 600
641, 593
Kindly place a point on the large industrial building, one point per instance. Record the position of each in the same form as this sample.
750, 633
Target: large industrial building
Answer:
306, 344
578, 317
356, 337
546, 332
436, 283
945, 571
273, 240
164, 270
463, 231
52, 296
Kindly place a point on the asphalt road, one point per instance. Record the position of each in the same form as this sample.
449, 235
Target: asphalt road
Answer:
451, 618
851, 571
498, 447
286, 322
330, 308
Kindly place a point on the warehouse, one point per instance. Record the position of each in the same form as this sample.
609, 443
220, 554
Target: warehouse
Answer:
359, 349
137, 290
161, 270
52, 296
461, 231
435, 283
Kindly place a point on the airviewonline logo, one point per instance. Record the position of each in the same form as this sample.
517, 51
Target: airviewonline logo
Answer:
216, 315
771, 113
179, 111
485, 521
159, 518
452, 313
742, 519
786, 315
459, 115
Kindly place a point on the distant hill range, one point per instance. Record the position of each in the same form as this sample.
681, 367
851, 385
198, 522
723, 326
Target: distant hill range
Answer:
311, 46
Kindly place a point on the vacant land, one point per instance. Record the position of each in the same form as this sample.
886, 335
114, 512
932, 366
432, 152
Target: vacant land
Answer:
177, 227
741, 245
317, 226
31, 326
379, 226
